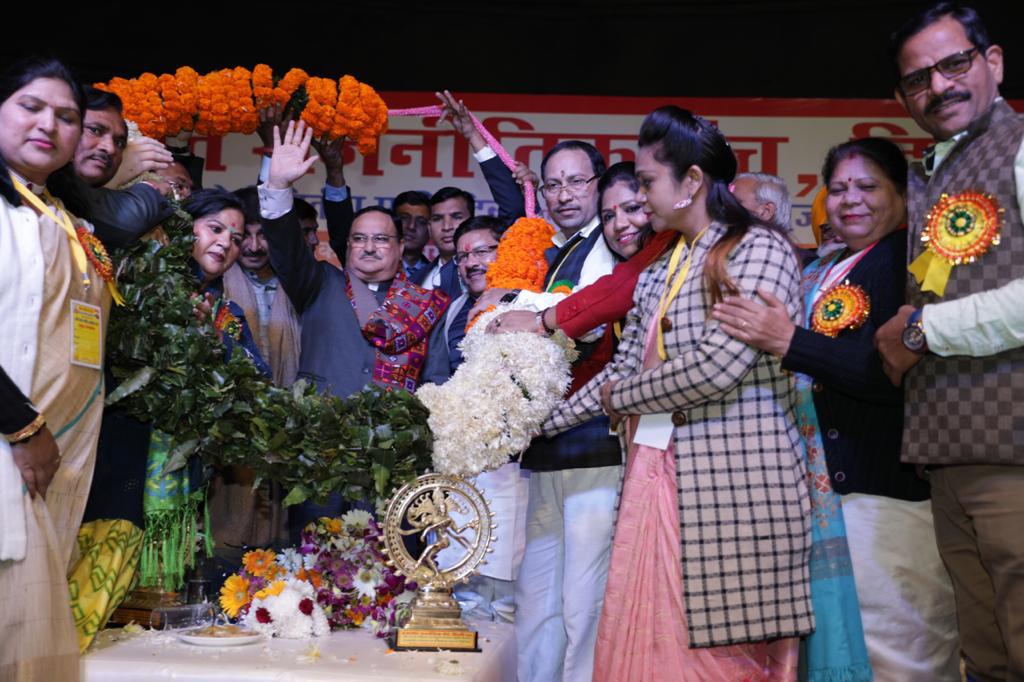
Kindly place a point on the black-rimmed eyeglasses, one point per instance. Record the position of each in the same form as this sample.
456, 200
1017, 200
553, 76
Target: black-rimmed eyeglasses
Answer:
480, 254
573, 186
950, 67
378, 239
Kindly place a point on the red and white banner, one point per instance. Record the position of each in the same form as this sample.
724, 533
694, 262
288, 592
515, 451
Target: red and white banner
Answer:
785, 137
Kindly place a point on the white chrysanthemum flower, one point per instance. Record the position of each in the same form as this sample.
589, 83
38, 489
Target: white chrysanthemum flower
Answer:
290, 559
357, 519
365, 581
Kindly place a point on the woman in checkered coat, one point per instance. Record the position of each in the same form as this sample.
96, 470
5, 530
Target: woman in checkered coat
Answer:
709, 574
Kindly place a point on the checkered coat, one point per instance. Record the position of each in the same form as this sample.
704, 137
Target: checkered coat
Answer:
744, 510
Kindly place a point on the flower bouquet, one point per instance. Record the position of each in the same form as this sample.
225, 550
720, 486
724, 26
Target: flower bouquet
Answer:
337, 575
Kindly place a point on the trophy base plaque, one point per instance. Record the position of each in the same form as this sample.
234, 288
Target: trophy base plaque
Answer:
436, 623
421, 639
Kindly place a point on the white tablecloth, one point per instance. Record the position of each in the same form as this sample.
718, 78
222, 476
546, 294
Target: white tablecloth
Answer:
351, 655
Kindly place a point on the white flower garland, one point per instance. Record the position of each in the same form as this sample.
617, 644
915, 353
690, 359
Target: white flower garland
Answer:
494, 404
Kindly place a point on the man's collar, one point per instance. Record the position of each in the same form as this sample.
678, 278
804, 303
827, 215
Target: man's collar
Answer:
255, 278
559, 239
936, 153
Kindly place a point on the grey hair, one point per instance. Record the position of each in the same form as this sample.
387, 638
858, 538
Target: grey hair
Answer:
772, 188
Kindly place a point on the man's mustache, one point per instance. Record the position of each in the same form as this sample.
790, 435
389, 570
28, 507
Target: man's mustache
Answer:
370, 254
103, 157
254, 254
475, 270
946, 98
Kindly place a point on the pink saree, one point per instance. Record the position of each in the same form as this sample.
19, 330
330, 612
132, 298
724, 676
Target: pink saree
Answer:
643, 633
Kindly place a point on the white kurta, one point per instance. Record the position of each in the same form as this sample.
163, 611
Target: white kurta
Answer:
38, 281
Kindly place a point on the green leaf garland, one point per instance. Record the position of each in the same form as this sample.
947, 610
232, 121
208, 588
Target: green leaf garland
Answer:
172, 373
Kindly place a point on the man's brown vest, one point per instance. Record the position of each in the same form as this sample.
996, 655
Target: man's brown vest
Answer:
960, 409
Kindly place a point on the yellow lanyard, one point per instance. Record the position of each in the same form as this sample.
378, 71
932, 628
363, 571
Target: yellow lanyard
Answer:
77, 252
554, 277
673, 283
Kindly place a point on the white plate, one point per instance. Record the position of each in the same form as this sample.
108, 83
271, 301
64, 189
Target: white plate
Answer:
205, 640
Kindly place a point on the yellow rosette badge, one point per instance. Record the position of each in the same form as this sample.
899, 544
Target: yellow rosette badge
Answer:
844, 306
959, 229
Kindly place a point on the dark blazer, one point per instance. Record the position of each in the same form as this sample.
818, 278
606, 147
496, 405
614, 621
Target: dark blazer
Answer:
339, 223
119, 216
451, 283
511, 206
860, 412
334, 353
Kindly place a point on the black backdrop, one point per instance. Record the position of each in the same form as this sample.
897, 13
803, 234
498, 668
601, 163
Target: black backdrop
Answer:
705, 48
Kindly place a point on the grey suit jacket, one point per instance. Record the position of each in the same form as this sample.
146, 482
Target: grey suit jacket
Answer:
744, 509
335, 354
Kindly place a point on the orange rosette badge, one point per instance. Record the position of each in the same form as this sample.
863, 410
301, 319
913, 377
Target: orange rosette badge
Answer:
844, 306
958, 230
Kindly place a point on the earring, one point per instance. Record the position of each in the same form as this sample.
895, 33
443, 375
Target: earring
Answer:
684, 203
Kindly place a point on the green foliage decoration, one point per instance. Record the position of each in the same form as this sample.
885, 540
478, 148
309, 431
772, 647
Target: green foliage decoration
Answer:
171, 372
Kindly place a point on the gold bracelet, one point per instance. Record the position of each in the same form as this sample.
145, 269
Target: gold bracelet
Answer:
32, 429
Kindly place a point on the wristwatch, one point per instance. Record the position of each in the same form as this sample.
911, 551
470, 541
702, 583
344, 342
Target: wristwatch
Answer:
510, 296
913, 334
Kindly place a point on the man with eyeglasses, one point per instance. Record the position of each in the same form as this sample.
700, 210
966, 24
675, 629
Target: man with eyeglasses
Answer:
958, 346
574, 477
449, 206
365, 325
476, 245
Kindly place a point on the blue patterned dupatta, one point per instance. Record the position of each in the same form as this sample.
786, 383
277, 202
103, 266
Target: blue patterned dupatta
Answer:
835, 651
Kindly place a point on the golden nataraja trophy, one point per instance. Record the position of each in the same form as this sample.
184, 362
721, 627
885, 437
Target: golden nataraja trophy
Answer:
423, 510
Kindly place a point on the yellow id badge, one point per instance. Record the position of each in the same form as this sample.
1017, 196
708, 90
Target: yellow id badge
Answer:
86, 335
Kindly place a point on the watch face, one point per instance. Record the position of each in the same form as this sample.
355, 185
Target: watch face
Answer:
913, 338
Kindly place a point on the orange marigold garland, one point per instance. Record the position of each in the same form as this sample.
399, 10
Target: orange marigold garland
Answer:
262, 86
292, 81
520, 262
375, 119
244, 116
229, 100
319, 111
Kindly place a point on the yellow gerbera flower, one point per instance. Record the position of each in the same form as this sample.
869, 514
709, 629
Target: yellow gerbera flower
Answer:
271, 590
234, 594
257, 561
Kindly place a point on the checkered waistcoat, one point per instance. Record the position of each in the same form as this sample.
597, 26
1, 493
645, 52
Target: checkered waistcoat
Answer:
744, 514
960, 409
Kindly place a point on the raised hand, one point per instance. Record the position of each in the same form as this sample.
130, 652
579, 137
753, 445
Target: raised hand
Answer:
334, 159
141, 155
289, 162
455, 112
523, 174
270, 116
